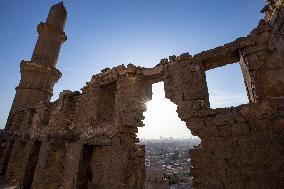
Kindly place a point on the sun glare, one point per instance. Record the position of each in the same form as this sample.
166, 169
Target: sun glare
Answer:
161, 118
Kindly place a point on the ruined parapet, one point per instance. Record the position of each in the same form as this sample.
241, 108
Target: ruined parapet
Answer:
272, 8
63, 114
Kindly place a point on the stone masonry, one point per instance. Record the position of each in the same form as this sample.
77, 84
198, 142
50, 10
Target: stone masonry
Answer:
88, 139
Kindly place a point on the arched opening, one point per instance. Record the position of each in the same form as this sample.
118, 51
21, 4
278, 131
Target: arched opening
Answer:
167, 142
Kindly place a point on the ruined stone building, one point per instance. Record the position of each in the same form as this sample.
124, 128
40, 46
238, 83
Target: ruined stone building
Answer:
88, 139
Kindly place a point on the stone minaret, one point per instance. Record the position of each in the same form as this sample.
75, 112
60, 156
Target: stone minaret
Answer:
39, 75
51, 36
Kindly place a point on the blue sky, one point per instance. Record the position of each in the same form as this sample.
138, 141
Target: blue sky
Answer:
107, 33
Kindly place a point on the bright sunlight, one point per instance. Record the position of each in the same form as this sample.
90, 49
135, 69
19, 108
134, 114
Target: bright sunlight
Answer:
161, 118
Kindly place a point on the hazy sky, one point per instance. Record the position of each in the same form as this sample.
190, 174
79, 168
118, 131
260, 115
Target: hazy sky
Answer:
106, 33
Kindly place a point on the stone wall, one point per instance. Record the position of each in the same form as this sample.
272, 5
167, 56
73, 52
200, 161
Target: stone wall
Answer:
241, 147
89, 139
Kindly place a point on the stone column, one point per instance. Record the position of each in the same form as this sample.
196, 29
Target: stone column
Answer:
29, 162
185, 85
49, 173
17, 156
6, 148
41, 165
130, 104
72, 165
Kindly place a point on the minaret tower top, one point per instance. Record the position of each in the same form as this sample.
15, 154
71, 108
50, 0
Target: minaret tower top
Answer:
57, 16
51, 36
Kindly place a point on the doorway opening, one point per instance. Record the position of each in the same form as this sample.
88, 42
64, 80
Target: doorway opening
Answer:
167, 142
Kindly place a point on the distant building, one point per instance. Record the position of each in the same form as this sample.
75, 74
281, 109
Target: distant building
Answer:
155, 178
176, 154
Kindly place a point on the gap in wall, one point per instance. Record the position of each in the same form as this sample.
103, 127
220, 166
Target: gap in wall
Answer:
226, 86
167, 142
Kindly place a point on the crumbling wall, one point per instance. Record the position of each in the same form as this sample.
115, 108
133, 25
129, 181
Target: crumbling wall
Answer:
89, 139
15, 162
241, 147
6, 147
52, 172
103, 118
27, 173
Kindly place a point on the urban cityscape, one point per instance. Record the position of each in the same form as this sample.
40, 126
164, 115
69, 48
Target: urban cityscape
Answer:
167, 162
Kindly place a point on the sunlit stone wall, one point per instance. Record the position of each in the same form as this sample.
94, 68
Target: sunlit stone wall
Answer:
88, 139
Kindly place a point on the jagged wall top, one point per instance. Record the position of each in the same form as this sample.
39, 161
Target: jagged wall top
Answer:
271, 8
